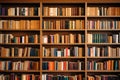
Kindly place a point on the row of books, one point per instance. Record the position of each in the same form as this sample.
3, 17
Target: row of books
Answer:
19, 65
103, 24
62, 77
104, 51
63, 52
103, 11
103, 65
103, 77
103, 38
62, 65
63, 24
14, 76
64, 38
20, 11
63, 11
11, 38
19, 24
19, 52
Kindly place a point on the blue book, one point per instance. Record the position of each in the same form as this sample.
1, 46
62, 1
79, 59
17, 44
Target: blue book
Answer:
31, 39
0, 10
89, 51
55, 51
32, 52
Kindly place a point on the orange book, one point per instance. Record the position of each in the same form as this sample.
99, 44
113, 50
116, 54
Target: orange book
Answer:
51, 65
64, 65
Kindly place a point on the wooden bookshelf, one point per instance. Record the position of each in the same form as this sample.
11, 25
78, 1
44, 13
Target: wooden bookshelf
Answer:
65, 40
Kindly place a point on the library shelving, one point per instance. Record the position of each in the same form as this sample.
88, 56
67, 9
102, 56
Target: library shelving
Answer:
59, 40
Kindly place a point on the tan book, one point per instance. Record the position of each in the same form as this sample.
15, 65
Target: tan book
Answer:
57, 24
71, 38
32, 24
53, 11
46, 11
110, 39
13, 24
79, 38
64, 11
80, 51
77, 24
20, 51
68, 11
25, 52
17, 25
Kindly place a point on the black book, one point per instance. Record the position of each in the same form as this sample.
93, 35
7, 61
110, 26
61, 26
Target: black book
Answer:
83, 38
35, 11
66, 24
16, 52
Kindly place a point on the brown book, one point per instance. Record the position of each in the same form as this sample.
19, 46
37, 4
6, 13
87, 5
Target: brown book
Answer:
63, 11
5, 26
114, 52
3, 52
35, 66
79, 77
35, 38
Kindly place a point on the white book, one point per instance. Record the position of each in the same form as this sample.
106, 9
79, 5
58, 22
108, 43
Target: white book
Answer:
68, 52
74, 24
17, 11
58, 53
26, 11
79, 65
116, 38
23, 39
45, 39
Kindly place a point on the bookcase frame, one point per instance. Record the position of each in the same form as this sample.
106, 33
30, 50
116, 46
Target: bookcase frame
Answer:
41, 31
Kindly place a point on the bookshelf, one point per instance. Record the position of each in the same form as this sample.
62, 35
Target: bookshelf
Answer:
59, 40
